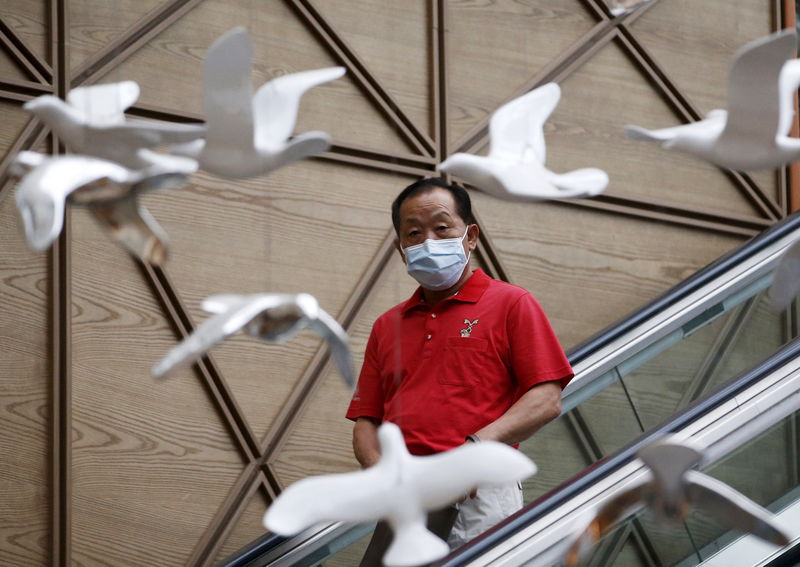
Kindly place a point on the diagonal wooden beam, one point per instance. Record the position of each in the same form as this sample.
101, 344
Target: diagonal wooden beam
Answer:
719, 224
359, 72
36, 68
31, 136
222, 397
301, 394
137, 37
226, 517
22, 91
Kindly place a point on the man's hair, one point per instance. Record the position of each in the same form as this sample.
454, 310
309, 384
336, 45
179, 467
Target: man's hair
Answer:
460, 196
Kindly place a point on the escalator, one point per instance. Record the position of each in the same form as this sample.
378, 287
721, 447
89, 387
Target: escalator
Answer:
659, 370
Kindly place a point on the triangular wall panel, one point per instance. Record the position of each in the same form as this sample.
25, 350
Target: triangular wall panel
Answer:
24, 396
281, 45
247, 528
393, 40
151, 460
495, 48
95, 25
29, 20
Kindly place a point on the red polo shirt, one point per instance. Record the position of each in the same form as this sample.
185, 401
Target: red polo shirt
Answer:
444, 372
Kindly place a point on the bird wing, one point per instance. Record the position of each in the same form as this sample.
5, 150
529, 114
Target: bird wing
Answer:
606, 517
210, 332
787, 87
586, 182
732, 509
41, 194
276, 103
786, 279
158, 132
330, 329
228, 92
516, 129
753, 94
133, 227
360, 496
103, 105
446, 477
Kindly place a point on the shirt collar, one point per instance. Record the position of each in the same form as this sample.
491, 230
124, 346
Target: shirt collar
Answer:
470, 292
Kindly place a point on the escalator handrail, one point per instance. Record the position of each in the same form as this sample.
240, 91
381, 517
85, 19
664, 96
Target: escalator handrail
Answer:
545, 504
686, 287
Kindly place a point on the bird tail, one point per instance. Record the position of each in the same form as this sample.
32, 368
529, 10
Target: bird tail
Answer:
585, 182
412, 545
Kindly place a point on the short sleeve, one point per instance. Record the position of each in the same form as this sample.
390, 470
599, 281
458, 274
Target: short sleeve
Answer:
536, 355
367, 400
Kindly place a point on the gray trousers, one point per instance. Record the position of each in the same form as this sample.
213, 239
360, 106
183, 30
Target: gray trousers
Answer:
455, 524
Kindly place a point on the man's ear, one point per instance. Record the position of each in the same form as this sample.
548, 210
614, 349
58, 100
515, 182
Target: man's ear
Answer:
472, 236
399, 250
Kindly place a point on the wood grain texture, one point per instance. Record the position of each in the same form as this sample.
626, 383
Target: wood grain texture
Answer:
589, 276
274, 234
24, 397
393, 40
29, 22
586, 130
94, 25
248, 527
10, 69
496, 46
694, 43
281, 45
152, 461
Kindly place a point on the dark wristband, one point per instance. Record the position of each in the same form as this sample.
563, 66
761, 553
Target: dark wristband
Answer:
474, 438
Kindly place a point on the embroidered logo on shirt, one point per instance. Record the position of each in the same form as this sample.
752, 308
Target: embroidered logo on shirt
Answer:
465, 333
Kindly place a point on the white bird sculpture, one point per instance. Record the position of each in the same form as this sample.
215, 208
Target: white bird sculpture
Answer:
108, 189
753, 133
514, 168
250, 135
274, 317
401, 489
786, 278
671, 490
620, 7
92, 122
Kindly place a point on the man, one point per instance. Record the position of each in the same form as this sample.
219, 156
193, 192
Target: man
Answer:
465, 359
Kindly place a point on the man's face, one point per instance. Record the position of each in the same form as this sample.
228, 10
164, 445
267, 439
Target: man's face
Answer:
433, 214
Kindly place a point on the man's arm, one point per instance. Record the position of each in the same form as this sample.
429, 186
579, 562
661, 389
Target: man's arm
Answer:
365, 441
538, 406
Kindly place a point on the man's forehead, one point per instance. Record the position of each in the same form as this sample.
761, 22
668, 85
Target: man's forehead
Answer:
435, 203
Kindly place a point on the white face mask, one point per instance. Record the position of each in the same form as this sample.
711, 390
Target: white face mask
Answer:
437, 264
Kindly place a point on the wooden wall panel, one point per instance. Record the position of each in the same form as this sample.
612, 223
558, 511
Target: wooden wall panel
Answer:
248, 528
394, 41
255, 233
281, 45
95, 25
10, 69
559, 267
24, 403
14, 120
586, 130
694, 42
494, 48
151, 460
29, 22
320, 442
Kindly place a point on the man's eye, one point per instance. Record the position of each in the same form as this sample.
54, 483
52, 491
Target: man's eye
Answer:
442, 227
